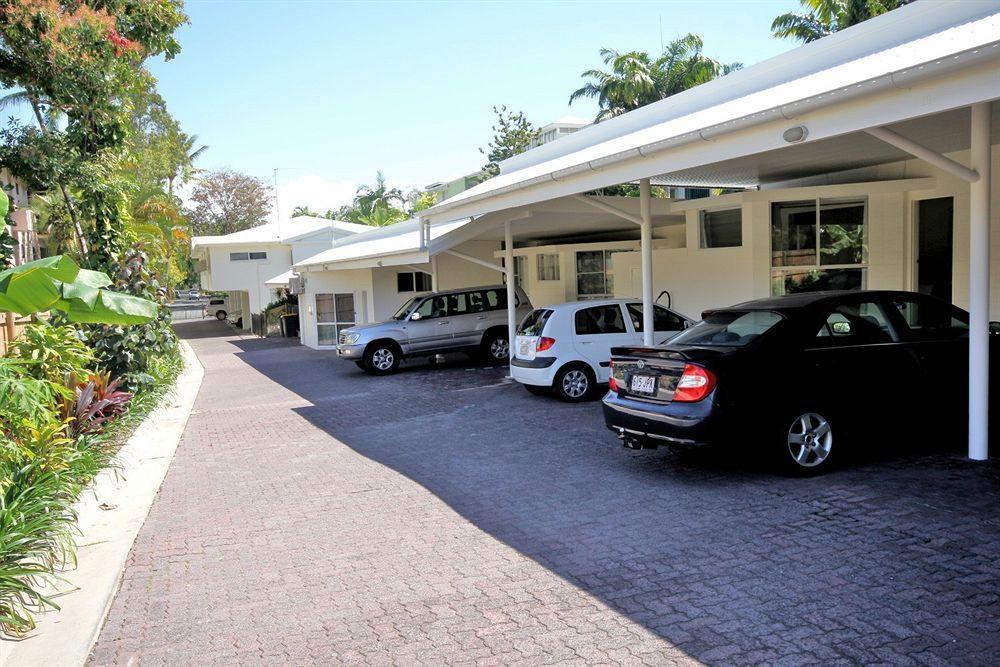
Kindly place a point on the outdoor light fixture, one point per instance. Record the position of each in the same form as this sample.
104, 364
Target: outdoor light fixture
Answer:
794, 135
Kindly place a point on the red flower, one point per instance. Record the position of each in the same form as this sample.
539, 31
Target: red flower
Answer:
122, 44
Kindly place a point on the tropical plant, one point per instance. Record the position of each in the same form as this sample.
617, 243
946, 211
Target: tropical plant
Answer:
635, 79
513, 133
304, 210
376, 205
828, 16
56, 353
94, 402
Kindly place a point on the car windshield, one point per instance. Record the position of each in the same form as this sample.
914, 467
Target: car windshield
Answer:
404, 310
728, 328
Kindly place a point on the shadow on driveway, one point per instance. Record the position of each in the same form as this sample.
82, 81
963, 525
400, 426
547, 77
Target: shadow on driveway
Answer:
894, 559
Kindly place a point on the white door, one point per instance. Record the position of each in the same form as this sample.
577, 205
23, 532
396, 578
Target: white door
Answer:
596, 330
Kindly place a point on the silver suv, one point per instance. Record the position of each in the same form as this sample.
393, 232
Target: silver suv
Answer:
473, 319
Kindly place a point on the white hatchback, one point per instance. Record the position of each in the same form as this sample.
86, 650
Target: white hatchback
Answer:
566, 348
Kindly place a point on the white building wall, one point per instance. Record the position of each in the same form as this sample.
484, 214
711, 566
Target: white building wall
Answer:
355, 281
248, 275
699, 279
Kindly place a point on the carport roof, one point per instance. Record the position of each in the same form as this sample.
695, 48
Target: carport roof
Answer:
880, 61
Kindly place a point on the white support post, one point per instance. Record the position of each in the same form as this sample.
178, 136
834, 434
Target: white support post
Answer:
508, 260
434, 274
979, 283
646, 250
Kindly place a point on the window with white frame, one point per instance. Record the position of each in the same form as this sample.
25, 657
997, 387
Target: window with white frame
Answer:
721, 229
519, 268
548, 266
413, 281
246, 256
595, 277
819, 245
334, 313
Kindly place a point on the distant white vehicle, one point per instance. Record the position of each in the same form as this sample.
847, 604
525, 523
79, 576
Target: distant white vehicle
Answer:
194, 294
566, 348
219, 307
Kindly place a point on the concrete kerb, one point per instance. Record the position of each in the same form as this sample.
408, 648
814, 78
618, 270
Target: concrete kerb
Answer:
111, 512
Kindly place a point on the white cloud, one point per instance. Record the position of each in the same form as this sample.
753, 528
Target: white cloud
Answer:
312, 190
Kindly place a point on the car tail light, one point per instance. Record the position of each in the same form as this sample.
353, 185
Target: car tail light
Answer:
544, 343
612, 384
695, 384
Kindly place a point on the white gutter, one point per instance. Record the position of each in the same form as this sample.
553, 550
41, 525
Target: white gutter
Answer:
901, 79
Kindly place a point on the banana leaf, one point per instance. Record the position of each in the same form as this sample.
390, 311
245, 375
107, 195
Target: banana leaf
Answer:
57, 283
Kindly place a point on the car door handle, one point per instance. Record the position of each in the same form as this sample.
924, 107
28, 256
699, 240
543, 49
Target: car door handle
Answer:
481, 317
586, 342
441, 324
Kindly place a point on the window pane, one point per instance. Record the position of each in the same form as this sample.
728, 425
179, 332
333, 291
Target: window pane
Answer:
548, 267
728, 329
325, 308
663, 319
458, 304
433, 307
793, 234
842, 233
590, 261
930, 319
590, 284
327, 334
599, 320
238, 256
855, 324
422, 281
519, 264
815, 280
345, 308
258, 255
404, 282
477, 303
722, 229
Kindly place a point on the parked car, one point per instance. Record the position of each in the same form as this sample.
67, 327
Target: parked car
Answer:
471, 319
219, 307
566, 348
194, 294
797, 376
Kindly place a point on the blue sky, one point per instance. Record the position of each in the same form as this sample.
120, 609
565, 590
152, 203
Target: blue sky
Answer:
329, 92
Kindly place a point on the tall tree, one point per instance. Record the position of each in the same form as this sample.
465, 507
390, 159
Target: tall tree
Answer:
304, 210
512, 134
634, 79
226, 201
828, 16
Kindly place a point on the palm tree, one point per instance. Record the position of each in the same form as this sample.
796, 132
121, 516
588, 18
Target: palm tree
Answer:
160, 225
182, 161
635, 79
828, 16
379, 205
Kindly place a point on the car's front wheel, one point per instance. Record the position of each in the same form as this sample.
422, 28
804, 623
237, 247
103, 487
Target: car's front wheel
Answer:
574, 383
220, 315
809, 444
382, 358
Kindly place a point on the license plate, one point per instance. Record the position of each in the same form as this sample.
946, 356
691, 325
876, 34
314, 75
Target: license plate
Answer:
642, 384
526, 347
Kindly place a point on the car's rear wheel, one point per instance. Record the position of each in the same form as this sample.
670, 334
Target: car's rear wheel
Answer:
538, 390
809, 444
220, 315
574, 383
382, 358
496, 347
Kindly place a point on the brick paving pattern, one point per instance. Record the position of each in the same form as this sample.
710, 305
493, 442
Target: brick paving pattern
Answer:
314, 515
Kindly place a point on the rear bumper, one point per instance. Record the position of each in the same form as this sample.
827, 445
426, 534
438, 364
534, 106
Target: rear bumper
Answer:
680, 423
539, 371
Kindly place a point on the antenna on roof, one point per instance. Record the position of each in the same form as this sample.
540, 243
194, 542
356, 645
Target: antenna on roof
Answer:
661, 34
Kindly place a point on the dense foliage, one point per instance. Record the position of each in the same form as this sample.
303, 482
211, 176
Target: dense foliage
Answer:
828, 16
226, 201
636, 79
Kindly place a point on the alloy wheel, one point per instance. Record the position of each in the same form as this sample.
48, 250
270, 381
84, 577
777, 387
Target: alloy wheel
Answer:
575, 383
383, 359
500, 349
810, 439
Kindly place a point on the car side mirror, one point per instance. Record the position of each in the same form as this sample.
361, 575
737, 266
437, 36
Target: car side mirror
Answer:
842, 328
415, 317
995, 328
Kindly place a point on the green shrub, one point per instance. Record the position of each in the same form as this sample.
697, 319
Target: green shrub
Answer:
128, 351
57, 353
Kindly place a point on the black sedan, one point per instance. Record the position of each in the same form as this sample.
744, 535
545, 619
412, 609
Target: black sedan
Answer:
797, 375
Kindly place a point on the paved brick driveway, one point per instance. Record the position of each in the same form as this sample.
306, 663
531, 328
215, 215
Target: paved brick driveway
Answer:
315, 515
